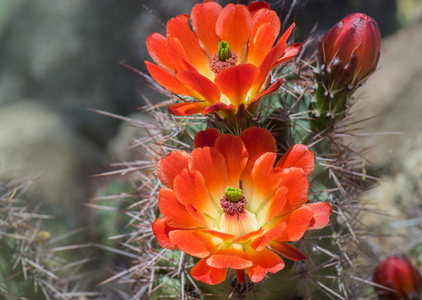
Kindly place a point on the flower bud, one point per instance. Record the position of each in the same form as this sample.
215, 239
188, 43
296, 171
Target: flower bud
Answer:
347, 55
349, 52
401, 278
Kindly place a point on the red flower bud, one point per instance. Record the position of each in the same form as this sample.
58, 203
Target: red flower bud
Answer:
398, 274
349, 52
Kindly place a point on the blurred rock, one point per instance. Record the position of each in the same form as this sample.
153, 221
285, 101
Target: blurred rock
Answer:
36, 140
393, 96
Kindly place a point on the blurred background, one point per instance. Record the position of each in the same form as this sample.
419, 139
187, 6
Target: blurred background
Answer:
59, 58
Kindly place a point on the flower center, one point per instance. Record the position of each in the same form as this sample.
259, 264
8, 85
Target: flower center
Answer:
236, 219
224, 58
233, 202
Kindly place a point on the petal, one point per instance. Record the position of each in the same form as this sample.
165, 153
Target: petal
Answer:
297, 184
157, 49
198, 216
287, 34
193, 242
221, 235
167, 80
287, 250
296, 224
206, 138
229, 258
265, 181
267, 64
174, 212
190, 188
217, 107
321, 217
235, 154
234, 26
261, 242
204, 27
256, 6
200, 84
247, 237
257, 142
290, 53
202, 272
298, 156
187, 108
260, 43
240, 275
178, 27
235, 82
161, 231
212, 166
265, 29
271, 89
264, 261
171, 166
274, 207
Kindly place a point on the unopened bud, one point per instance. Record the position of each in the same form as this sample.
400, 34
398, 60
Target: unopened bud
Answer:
401, 278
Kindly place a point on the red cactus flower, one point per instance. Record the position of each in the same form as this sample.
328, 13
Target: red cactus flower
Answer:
349, 52
225, 61
227, 204
400, 276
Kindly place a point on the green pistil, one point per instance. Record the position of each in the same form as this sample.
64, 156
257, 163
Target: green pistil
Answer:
224, 51
233, 195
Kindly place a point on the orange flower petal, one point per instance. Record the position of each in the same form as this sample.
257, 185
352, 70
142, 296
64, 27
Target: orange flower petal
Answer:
212, 165
261, 242
264, 183
167, 80
174, 212
161, 231
271, 89
246, 237
198, 216
203, 272
206, 138
235, 82
265, 29
200, 84
224, 236
234, 26
297, 183
187, 108
254, 7
217, 107
157, 49
297, 222
287, 34
264, 261
178, 27
235, 154
298, 156
192, 242
267, 64
321, 217
229, 258
171, 166
190, 188
290, 53
255, 150
260, 43
204, 27
287, 250
274, 207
